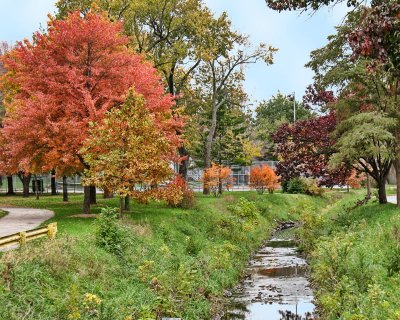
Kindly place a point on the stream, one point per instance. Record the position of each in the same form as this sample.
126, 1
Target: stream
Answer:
275, 286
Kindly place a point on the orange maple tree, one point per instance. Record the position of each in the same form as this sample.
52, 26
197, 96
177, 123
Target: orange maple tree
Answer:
217, 178
263, 178
63, 81
130, 155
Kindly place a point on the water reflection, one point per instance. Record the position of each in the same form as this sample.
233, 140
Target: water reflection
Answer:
276, 287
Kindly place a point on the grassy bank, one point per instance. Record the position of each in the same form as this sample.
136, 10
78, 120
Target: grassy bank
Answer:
2, 213
171, 262
355, 259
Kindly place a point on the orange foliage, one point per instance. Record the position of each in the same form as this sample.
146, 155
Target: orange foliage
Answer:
263, 178
355, 179
66, 80
179, 194
217, 178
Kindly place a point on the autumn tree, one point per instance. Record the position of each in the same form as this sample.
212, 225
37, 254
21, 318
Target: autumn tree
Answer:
263, 178
5, 48
217, 178
68, 78
304, 149
364, 104
172, 34
131, 150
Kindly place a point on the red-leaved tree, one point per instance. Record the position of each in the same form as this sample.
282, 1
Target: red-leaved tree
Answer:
63, 81
304, 149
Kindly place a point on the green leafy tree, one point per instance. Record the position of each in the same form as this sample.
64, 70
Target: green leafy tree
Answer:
272, 113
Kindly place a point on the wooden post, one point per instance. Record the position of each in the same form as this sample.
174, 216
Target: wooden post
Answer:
52, 230
22, 238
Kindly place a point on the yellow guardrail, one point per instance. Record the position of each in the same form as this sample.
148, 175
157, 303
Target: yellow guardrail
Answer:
24, 236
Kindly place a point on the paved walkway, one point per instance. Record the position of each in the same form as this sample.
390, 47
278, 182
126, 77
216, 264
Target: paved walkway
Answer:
22, 219
392, 199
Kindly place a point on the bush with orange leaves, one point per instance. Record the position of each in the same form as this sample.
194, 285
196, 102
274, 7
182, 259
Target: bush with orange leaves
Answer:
263, 178
356, 179
178, 193
217, 178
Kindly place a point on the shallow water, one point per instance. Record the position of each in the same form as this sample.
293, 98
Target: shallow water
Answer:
275, 287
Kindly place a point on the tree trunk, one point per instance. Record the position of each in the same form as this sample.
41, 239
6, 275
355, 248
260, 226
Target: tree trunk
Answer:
208, 145
127, 203
397, 167
10, 186
108, 194
26, 179
37, 186
121, 206
93, 195
65, 189
220, 186
53, 183
382, 191
86, 199
184, 165
368, 185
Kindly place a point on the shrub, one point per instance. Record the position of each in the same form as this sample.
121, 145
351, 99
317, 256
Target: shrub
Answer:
244, 209
109, 234
178, 194
295, 185
304, 185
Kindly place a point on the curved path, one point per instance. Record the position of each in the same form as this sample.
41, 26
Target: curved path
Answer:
22, 219
392, 199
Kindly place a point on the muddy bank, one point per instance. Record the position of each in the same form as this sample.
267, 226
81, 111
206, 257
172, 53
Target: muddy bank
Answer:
275, 287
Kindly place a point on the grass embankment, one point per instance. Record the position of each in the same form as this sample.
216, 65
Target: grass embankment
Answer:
355, 259
173, 262
3, 213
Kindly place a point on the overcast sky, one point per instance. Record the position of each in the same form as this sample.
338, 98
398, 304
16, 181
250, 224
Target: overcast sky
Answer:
294, 35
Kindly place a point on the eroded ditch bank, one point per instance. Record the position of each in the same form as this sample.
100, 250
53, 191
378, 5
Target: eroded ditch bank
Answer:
275, 286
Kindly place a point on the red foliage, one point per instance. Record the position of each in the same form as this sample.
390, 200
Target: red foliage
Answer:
64, 81
304, 149
263, 178
377, 35
179, 194
356, 179
315, 96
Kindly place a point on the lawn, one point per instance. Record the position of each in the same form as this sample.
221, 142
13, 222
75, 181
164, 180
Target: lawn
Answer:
163, 262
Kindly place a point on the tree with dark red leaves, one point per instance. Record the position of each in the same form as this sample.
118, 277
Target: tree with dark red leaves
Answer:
304, 149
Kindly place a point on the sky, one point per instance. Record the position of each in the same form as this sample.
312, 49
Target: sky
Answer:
294, 34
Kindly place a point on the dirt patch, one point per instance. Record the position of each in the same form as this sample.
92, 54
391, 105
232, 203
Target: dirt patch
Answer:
82, 215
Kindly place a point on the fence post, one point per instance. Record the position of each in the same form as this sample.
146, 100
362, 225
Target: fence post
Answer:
52, 230
22, 238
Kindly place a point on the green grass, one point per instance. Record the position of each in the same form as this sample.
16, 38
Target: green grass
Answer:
174, 262
355, 259
3, 213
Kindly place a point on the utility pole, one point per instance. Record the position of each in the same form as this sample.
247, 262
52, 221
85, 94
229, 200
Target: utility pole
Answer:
294, 107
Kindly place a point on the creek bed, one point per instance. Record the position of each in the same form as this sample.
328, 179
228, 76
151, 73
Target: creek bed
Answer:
275, 286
